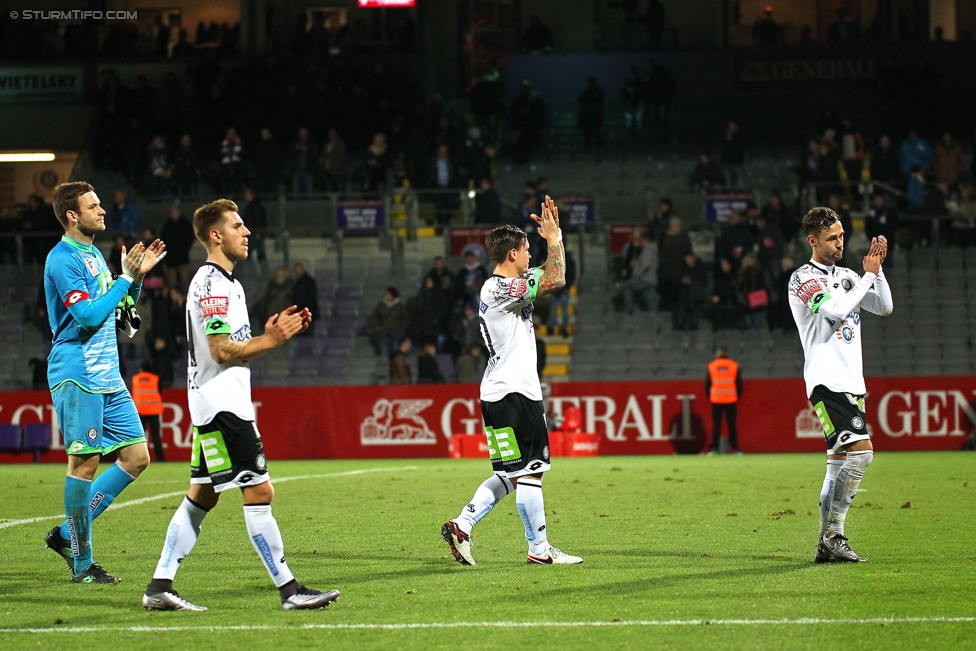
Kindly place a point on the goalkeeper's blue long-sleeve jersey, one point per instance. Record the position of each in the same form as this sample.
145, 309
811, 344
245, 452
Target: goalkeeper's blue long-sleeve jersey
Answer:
81, 299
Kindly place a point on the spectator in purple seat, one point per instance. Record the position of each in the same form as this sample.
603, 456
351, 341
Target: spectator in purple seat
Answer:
443, 174
809, 170
267, 164
915, 189
388, 323
177, 232
675, 245
231, 174
428, 371
591, 113
305, 294
963, 211
750, 282
725, 309
277, 295
443, 278
733, 155
706, 174
844, 216
124, 216
335, 162
735, 240
641, 277
882, 219
160, 167
633, 96
657, 223
777, 212
255, 217
885, 166
187, 168
378, 163
769, 243
948, 160
304, 155
470, 366
487, 204
429, 312
464, 283
691, 294
399, 367
528, 120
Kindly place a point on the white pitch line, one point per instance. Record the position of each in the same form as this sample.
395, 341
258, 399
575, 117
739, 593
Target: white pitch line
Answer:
163, 496
802, 621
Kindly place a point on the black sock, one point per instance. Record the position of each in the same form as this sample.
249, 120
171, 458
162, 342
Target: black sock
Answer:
290, 588
160, 585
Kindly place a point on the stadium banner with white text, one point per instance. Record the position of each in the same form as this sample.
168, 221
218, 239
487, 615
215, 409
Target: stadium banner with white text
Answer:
653, 417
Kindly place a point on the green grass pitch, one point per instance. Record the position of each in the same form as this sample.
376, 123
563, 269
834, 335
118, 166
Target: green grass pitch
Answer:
680, 552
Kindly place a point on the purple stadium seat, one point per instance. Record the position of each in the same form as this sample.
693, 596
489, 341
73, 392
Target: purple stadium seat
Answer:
10, 437
37, 439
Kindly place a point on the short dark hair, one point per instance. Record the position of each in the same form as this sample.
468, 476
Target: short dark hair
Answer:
66, 198
209, 215
818, 219
392, 291
503, 239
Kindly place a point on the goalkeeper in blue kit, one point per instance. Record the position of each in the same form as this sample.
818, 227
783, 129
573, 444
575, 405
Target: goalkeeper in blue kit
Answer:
94, 408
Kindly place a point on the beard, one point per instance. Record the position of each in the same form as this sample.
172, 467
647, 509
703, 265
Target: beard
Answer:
91, 228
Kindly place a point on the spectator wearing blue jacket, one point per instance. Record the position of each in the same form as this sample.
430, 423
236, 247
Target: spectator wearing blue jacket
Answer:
124, 216
915, 150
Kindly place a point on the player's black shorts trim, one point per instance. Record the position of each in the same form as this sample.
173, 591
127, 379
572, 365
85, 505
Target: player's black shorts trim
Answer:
228, 453
841, 416
518, 438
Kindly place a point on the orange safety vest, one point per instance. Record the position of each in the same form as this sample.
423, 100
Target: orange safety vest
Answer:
145, 393
722, 372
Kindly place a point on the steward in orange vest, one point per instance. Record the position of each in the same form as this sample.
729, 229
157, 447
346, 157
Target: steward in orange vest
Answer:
149, 404
724, 388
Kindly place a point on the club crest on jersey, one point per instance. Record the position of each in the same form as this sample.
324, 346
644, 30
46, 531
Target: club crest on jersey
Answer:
847, 332
517, 288
92, 434
857, 422
92, 267
214, 306
846, 284
807, 290
74, 297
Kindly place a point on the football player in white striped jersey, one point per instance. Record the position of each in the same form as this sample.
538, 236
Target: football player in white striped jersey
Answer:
826, 300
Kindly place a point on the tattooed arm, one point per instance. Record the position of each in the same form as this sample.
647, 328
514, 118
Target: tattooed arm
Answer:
553, 276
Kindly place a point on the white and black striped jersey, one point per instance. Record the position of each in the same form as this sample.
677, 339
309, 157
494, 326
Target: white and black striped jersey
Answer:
826, 303
505, 316
215, 305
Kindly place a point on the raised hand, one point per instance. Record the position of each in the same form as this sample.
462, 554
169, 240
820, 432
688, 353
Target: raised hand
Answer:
548, 226
283, 326
872, 261
140, 260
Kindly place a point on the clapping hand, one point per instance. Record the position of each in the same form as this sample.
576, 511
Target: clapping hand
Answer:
549, 222
140, 259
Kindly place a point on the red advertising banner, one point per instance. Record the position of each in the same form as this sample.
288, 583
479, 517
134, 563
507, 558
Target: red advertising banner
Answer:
931, 413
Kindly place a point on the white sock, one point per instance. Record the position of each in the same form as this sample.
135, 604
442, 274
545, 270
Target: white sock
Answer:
528, 500
491, 492
263, 530
833, 467
181, 536
845, 488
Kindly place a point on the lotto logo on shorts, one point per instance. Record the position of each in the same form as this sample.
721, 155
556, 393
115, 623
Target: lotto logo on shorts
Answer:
214, 306
518, 287
74, 297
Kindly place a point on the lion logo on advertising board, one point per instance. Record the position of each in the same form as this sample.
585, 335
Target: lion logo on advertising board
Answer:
397, 422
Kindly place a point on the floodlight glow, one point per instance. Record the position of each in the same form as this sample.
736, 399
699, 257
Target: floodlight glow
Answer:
27, 157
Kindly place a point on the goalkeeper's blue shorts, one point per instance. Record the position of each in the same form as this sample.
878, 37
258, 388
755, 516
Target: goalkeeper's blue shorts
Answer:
96, 423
